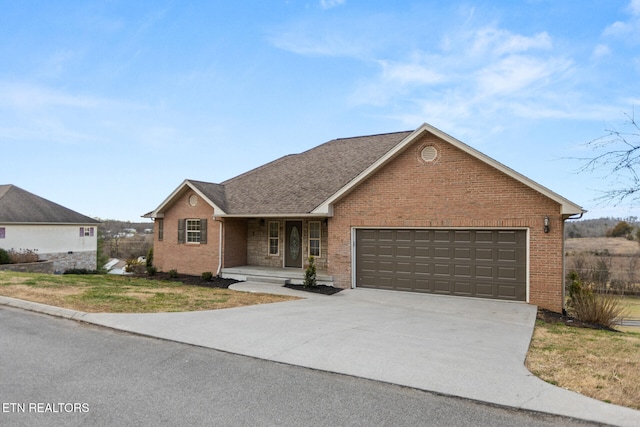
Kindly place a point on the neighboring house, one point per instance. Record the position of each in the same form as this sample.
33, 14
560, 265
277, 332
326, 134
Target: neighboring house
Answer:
58, 234
410, 211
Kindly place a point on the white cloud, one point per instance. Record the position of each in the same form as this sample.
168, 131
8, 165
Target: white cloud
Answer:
410, 73
329, 4
634, 7
517, 73
501, 42
25, 96
600, 51
323, 45
618, 29
630, 28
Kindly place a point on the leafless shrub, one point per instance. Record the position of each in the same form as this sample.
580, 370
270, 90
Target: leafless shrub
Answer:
23, 256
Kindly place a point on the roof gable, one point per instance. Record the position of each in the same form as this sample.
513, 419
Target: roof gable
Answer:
20, 206
568, 208
213, 194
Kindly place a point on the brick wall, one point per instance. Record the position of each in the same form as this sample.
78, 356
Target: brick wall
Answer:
30, 267
235, 242
187, 258
455, 190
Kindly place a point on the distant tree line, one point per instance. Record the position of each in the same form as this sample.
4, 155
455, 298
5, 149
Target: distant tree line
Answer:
604, 227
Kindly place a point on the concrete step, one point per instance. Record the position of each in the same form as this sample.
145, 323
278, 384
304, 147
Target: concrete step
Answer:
267, 279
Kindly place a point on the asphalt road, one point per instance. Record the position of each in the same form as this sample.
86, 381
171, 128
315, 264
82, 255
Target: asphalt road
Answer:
58, 372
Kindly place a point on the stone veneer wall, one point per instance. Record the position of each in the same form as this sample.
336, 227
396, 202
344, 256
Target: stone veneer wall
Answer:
65, 261
258, 243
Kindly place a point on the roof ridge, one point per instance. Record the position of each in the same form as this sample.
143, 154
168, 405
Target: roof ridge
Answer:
373, 134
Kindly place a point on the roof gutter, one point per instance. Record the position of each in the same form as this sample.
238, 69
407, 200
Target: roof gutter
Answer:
576, 217
272, 215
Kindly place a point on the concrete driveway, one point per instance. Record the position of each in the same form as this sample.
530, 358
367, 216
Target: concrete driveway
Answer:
465, 347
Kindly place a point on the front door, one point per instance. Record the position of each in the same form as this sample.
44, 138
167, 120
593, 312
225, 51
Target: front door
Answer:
293, 244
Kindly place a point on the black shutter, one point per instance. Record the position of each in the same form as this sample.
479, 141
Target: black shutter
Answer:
181, 223
203, 231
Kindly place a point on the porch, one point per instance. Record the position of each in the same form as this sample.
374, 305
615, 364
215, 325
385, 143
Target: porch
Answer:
282, 276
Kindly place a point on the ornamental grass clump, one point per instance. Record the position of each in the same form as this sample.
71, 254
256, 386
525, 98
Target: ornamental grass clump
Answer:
605, 309
23, 256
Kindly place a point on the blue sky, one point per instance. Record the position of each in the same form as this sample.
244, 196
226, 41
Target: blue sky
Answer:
107, 106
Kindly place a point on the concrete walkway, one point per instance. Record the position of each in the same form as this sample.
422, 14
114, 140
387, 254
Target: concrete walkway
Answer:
470, 348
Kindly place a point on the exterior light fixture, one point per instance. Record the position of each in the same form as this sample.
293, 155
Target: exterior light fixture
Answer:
546, 224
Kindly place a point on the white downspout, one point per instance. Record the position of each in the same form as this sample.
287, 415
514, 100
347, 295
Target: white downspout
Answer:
219, 250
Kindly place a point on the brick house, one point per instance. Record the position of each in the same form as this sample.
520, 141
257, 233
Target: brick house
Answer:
411, 211
29, 222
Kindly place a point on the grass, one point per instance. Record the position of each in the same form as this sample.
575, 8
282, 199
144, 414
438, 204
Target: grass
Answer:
601, 364
633, 307
122, 294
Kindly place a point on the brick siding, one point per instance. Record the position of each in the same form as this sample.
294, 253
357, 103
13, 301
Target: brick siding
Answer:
235, 242
455, 190
187, 258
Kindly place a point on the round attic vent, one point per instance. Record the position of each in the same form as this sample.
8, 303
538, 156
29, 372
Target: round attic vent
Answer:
429, 153
193, 200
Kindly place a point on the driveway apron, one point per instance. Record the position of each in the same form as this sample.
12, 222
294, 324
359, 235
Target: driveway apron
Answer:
467, 347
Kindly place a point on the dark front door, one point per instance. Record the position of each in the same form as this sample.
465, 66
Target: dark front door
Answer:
293, 244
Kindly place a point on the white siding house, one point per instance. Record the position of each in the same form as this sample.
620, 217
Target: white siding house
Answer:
58, 234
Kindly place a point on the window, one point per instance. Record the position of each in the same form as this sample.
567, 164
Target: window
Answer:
160, 223
274, 238
192, 231
2, 232
314, 238
86, 231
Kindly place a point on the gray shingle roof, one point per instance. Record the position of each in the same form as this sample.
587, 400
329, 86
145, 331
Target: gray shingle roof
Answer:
20, 206
298, 183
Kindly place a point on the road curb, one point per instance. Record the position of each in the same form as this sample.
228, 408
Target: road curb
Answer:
42, 308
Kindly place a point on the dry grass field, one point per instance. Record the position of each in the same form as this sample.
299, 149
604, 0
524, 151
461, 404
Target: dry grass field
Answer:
618, 246
617, 257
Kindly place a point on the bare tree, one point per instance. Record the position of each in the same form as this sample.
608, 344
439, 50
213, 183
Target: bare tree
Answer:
618, 154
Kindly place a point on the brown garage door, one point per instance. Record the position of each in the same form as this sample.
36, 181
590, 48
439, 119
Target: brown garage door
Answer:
475, 263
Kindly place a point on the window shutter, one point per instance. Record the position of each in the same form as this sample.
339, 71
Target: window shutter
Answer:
181, 223
203, 231
81, 231
160, 223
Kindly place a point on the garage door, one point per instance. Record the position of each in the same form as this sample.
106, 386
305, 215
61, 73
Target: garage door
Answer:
474, 263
